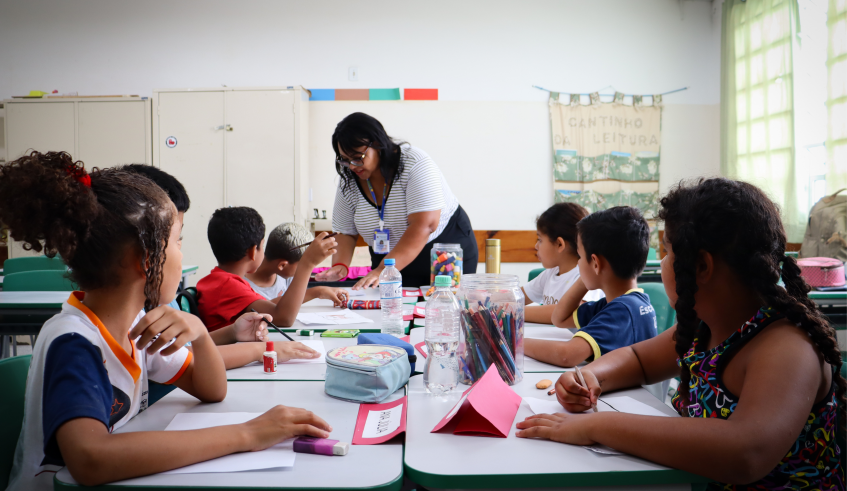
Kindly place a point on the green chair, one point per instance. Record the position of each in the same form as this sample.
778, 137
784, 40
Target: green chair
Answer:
13, 373
21, 264
534, 273
38, 281
651, 254
665, 315
187, 300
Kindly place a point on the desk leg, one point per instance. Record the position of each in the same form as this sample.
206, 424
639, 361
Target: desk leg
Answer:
4, 340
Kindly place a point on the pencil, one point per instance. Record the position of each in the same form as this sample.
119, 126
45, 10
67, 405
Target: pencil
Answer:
308, 243
271, 325
582, 382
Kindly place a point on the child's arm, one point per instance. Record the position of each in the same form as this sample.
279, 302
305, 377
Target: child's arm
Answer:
526, 301
563, 311
205, 376
285, 310
95, 456
539, 314
560, 353
337, 295
238, 355
782, 378
250, 326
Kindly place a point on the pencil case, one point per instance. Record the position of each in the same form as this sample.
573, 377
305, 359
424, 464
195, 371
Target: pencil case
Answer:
388, 339
366, 373
821, 271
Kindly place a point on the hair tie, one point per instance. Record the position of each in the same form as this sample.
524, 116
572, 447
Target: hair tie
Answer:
79, 174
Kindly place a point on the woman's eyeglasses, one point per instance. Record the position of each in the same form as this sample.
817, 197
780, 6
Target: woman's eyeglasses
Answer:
354, 162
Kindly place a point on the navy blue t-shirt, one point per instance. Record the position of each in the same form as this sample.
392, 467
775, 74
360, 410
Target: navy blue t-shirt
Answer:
624, 321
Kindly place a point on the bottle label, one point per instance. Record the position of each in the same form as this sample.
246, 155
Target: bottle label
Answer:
269, 363
391, 290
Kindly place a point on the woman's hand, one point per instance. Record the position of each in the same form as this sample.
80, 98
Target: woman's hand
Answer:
164, 327
337, 295
335, 273
573, 396
251, 326
292, 350
280, 424
371, 280
563, 428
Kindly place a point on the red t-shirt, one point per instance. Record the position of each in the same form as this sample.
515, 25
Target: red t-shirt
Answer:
222, 296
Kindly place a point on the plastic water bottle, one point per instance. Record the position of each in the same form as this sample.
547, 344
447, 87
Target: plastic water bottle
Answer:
391, 299
441, 373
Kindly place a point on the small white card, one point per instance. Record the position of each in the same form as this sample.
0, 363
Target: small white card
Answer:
385, 422
337, 318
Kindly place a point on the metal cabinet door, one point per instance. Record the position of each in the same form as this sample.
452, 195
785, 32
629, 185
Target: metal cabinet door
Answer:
114, 132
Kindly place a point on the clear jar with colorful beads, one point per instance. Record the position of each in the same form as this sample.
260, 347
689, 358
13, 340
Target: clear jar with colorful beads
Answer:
446, 259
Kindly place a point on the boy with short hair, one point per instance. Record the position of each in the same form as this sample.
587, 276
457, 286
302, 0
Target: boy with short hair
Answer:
236, 235
612, 246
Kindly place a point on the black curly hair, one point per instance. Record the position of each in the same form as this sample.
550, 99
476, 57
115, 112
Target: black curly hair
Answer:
49, 202
233, 231
737, 222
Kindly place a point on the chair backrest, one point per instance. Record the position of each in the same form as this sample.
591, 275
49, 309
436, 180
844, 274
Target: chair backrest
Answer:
534, 273
187, 300
651, 254
665, 315
13, 374
38, 281
20, 264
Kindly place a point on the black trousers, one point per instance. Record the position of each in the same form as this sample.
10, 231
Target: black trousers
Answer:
457, 231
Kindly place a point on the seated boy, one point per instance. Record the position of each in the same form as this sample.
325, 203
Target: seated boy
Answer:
556, 250
612, 246
236, 235
234, 340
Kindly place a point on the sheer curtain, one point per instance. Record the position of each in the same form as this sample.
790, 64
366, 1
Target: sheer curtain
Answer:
836, 62
757, 106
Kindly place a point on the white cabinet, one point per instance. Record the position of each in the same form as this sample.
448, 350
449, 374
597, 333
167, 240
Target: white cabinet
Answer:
233, 147
101, 132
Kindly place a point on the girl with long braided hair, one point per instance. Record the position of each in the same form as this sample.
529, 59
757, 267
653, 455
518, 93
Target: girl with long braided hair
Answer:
761, 394
118, 233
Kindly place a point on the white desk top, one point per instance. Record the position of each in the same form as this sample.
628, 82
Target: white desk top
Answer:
443, 460
293, 371
365, 466
530, 331
32, 299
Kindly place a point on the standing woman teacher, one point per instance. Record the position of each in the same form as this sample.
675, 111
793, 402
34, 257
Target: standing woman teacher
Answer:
396, 198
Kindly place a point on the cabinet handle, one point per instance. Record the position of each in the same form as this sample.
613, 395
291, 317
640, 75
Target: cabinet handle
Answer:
228, 128
220, 127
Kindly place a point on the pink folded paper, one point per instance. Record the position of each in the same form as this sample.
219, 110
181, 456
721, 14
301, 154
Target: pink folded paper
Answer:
488, 408
420, 312
378, 423
412, 293
408, 317
406, 338
420, 348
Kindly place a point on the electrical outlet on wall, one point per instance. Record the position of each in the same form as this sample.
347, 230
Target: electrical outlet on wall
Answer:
353, 74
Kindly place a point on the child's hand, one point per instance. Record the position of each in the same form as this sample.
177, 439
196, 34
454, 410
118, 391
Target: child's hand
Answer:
251, 326
163, 325
282, 423
337, 295
563, 428
320, 249
335, 273
292, 350
573, 396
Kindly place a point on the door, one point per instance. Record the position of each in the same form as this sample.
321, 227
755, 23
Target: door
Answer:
113, 133
191, 148
260, 153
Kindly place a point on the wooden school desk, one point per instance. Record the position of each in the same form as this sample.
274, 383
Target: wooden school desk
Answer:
371, 467
447, 461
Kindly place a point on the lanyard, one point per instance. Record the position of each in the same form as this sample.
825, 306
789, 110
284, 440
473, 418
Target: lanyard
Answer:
381, 208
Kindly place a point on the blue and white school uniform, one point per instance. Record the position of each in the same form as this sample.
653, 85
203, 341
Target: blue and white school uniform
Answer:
78, 370
624, 321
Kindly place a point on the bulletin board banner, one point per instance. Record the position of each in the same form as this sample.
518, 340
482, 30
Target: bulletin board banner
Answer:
606, 154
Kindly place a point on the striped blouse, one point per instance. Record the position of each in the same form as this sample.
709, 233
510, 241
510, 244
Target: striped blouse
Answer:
420, 187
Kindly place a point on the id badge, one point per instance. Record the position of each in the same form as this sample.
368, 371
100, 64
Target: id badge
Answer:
381, 241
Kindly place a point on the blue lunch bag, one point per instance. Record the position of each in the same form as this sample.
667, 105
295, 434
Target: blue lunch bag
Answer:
389, 340
366, 372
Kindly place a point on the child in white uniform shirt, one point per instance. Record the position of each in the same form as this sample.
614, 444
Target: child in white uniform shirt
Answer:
556, 246
118, 233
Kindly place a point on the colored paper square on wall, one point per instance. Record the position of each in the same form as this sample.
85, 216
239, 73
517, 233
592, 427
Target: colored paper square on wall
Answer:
384, 94
322, 94
420, 94
352, 94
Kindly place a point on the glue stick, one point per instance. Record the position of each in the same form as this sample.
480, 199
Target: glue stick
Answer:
269, 358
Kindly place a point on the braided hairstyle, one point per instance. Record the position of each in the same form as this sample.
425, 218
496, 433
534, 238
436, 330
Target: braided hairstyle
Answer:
50, 203
739, 223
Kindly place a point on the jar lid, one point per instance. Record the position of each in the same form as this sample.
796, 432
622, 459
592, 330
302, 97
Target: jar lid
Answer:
449, 247
490, 280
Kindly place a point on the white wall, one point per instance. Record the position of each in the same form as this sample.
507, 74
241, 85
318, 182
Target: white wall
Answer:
489, 132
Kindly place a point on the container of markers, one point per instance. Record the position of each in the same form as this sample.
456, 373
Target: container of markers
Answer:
446, 259
492, 321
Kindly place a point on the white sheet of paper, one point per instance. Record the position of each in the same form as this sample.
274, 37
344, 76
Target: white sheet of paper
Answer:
382, 422
626, 404
341, 317
315, 344
424, 349
279, 455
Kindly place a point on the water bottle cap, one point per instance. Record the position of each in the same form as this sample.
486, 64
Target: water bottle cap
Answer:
443, 280
389, 262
